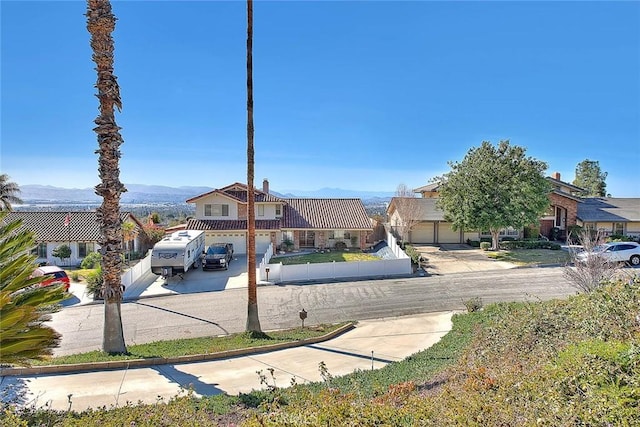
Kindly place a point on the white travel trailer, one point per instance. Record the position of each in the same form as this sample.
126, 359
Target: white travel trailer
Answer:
177, 253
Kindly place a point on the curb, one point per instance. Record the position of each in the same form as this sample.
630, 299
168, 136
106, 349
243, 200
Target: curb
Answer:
141, 363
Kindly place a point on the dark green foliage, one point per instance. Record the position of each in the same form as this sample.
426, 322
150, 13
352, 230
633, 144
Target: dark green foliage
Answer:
94, 281
63, 252
92, 260
494, 187
590, 177
529, 244
413, 254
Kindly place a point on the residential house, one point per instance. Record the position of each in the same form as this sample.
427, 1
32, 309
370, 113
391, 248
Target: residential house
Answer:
306, 223
431, 227
620, 216
79, 230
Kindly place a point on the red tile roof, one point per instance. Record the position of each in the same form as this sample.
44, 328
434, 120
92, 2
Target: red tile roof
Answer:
229, 224
238, 191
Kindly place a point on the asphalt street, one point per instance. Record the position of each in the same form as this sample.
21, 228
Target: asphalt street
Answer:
220, 313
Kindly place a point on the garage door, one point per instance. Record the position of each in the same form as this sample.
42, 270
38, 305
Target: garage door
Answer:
422, 233
262, 242
446, 234
238, 239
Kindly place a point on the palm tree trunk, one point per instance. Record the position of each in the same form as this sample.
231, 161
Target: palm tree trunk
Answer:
100, 24
253, 320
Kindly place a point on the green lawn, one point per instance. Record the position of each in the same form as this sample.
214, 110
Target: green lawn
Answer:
530, 256
319, 257
194, 346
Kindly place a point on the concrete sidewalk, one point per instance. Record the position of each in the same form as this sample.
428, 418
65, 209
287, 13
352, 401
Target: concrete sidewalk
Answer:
370, 345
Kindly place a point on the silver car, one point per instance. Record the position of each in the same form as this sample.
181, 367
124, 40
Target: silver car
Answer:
614, 252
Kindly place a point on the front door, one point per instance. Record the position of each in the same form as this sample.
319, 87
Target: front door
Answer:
307, 239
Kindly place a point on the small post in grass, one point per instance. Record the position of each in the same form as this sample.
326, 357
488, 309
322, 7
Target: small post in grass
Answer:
303, 315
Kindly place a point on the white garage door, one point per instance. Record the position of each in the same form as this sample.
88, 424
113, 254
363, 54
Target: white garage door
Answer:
262, 242
446, 234
238, 239
422, 233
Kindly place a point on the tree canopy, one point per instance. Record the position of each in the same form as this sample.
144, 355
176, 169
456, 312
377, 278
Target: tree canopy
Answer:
494, 187
590, 177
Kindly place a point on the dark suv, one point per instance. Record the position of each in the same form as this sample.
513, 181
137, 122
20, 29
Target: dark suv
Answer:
218, 255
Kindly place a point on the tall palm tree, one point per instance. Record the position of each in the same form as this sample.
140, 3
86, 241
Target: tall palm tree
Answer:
8, 193
253, 321
100, 24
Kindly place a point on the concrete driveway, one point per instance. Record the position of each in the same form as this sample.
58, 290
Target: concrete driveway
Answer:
457, 258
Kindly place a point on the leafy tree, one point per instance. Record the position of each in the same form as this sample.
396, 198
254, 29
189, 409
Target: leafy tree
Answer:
129, 233
24, 308
8, 193
100, 24
494, 187
63, 252
154, 234
253, 320
590, 177
409, 210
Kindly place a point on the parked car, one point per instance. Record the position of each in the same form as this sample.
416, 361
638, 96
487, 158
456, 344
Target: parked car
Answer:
218, 256
614, 252
55, 276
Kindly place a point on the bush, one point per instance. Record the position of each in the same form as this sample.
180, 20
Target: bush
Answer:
75, 276
413, 254
92, 260
485, 246
94, 283
473, 304
340, 245
473, 243
529, 244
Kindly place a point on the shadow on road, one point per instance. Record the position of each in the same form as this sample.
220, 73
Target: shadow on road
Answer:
181, 314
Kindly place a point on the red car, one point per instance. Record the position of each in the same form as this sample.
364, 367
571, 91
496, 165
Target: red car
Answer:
55, 275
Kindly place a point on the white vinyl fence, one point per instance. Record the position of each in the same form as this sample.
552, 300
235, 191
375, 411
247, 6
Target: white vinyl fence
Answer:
137, 271
278, 273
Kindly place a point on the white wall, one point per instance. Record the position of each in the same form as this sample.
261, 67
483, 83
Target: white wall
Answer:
333, 270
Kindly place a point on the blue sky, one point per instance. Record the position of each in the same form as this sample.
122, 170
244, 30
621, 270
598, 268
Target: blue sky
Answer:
353, 95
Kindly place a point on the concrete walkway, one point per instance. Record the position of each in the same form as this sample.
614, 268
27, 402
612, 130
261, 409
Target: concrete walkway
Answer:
371, 344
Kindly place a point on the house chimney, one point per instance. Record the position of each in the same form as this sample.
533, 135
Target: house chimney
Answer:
265, 186
556, 176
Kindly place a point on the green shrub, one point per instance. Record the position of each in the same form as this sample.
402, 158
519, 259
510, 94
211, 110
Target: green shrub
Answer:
340, 245
555, 246
529, 244
75, 276
94, 283
412, 253
473, 243
485, 246
92, 260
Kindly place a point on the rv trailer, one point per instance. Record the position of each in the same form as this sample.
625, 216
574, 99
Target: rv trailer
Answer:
177, 253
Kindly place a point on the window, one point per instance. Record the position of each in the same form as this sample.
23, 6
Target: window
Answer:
346, 234
336, 234
216, 210
278, 210
260, 210
40, 251
220, 210
618, 228
307, 239
84, 248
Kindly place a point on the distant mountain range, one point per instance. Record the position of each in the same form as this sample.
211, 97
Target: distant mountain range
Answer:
157, 194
